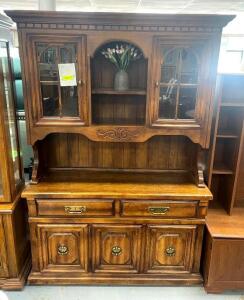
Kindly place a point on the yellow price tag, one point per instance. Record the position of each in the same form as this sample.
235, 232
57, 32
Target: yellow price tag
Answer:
67, 77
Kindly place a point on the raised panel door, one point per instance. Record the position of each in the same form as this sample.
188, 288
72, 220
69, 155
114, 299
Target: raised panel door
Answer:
63, 248
3, 254
116, 248
169, 249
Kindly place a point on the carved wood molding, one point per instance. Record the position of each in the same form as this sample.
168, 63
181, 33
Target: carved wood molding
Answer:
98, 27
118, 134
200, 165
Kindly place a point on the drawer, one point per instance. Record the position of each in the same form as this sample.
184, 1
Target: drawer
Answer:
159, 208
75, 207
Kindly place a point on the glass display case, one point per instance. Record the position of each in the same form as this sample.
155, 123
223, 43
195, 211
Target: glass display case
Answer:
14, 246
11, 174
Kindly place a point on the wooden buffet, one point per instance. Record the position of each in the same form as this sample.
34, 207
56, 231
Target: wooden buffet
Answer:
117, 193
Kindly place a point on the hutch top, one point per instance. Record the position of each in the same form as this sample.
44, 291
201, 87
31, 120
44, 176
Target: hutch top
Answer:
170, 92
171, 85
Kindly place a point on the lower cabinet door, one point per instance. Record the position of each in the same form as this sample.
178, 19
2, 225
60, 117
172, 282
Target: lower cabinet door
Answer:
116, 248
170, 249
3, 254
63, 247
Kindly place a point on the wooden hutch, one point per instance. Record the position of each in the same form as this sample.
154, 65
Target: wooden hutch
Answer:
117, 193
15, 260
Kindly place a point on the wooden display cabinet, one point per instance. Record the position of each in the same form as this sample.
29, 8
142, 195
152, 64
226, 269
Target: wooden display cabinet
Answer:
14, 249
117, 193
222, 263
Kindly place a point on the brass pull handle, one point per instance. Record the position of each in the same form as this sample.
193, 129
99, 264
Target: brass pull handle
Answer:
63, 250
158, 210
116, 251
76, 210
156, 84
170, 251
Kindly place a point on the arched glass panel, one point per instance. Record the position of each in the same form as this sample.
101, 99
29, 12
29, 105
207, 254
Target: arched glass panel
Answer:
179, 81
57, 100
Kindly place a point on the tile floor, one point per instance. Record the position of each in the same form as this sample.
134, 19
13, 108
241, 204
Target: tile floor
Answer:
116, 293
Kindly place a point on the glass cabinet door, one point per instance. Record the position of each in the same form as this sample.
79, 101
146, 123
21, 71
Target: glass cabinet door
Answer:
1, 182
177, 87
9, 113
57, 100
60, 76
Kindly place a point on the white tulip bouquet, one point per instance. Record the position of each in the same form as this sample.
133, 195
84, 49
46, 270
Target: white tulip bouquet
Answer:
122, 55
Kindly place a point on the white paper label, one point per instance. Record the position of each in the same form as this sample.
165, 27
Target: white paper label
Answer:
67, 74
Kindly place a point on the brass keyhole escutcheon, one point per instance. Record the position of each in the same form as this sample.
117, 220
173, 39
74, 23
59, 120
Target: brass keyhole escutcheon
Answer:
170, 251
63, 250
116, 251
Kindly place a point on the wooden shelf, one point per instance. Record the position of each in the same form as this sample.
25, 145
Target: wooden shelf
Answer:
114, 92
226, 134
221, 168
49, 82
119, 184
232, 104
222, 225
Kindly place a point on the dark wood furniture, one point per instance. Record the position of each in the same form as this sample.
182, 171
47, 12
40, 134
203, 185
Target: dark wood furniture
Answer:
117, 193
223, 261
14, 246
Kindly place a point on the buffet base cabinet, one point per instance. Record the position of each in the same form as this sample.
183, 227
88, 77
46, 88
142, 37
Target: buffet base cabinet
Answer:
115, 241
115, 253
15, 262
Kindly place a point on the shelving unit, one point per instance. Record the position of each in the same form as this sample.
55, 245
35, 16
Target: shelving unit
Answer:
226, 146
223, 265
113, 107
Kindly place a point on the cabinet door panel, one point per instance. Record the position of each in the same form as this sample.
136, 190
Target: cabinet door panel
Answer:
116, 248
170, 249
63, 248
60, 75
3, 254
180, 79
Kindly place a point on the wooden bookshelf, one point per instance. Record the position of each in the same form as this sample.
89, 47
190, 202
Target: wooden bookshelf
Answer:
227, 136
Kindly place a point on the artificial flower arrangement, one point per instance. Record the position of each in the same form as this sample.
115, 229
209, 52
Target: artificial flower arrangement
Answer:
121, 55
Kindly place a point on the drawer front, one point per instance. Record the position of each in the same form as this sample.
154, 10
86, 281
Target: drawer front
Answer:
160, 209
75, 208
116, 248
63, 248
170, 249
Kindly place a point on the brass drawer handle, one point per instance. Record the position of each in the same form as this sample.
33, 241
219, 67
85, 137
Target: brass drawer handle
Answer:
63, 250
116, 251
76, 210
158, 210
170, 251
